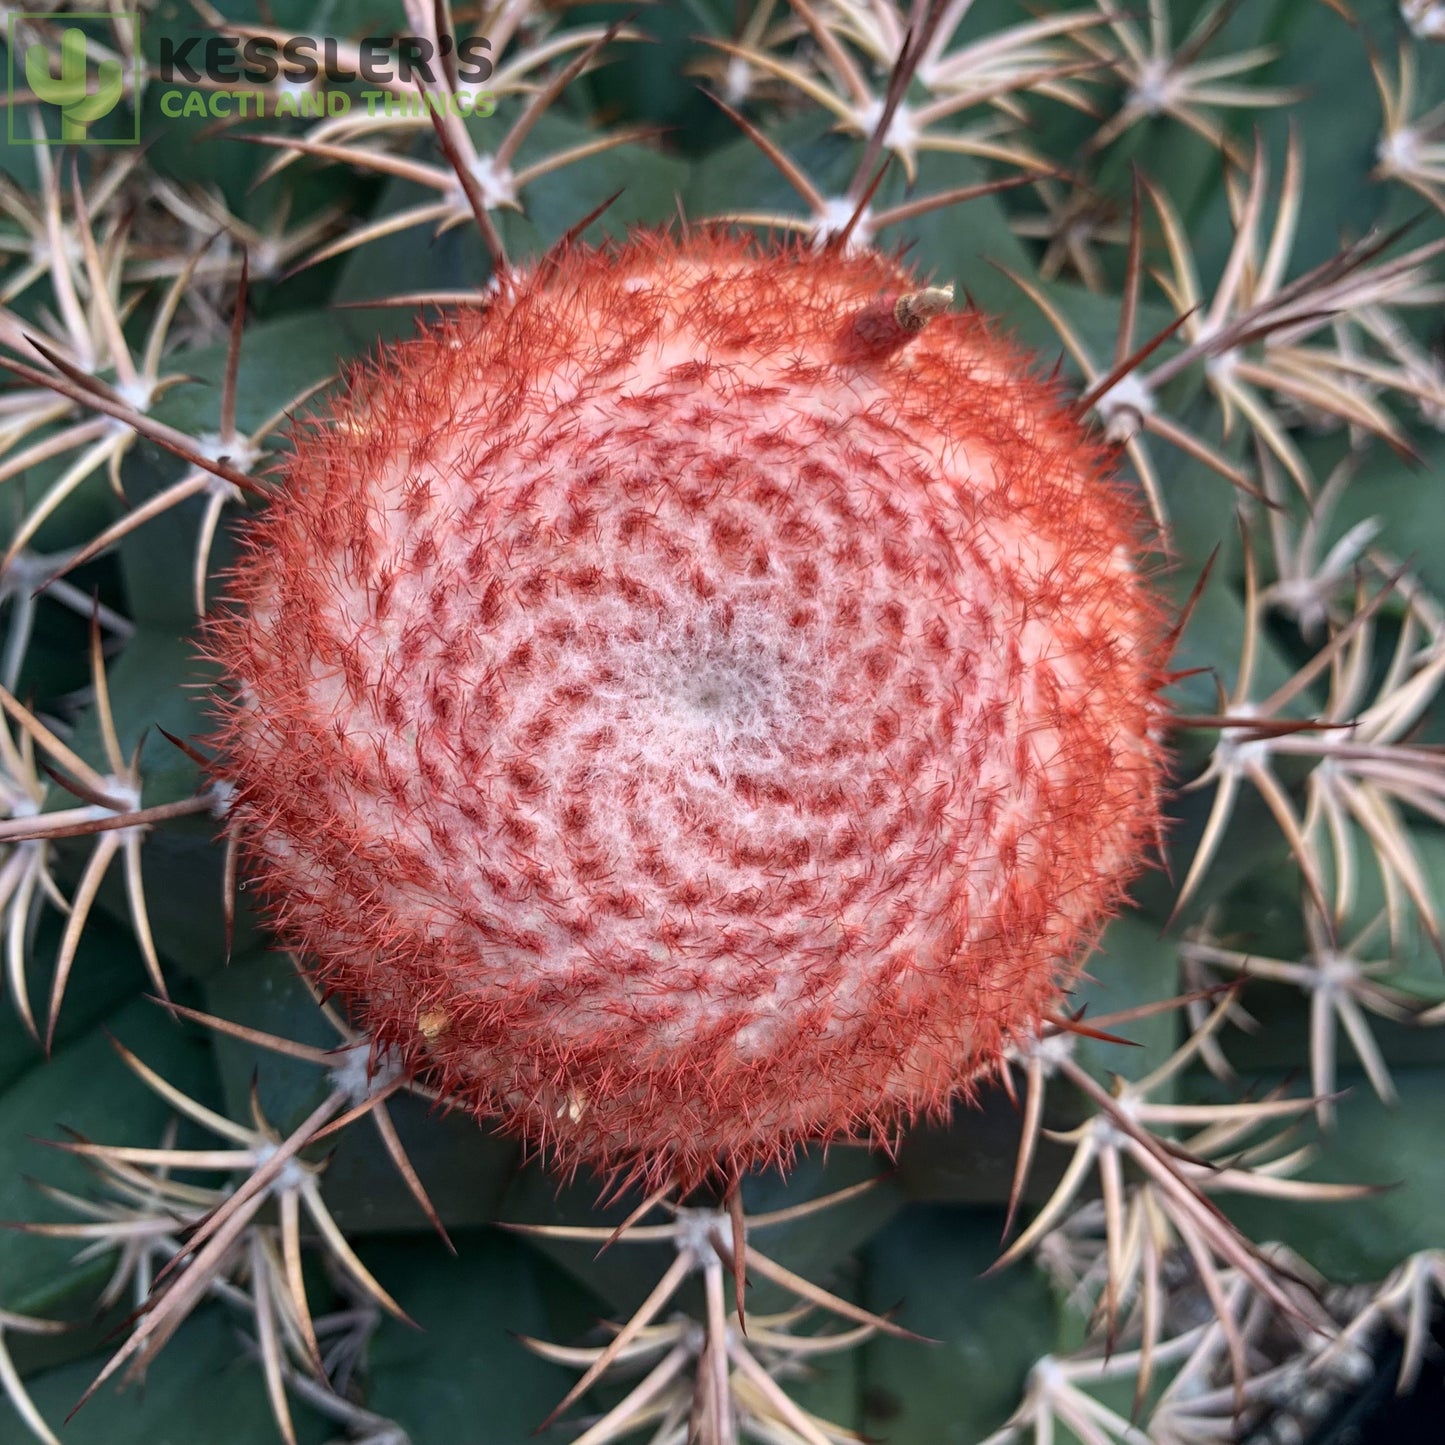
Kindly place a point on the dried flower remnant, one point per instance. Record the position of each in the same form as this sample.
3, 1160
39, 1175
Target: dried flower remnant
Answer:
701, 703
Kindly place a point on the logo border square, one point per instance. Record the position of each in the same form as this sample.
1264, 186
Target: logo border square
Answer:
110, 17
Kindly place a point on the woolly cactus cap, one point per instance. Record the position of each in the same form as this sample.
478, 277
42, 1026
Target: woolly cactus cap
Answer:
697, 704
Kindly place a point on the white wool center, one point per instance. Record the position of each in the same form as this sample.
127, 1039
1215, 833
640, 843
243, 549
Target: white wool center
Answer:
712, 687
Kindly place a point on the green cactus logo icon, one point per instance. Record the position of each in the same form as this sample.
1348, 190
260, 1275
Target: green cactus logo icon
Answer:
81, 101
78, 105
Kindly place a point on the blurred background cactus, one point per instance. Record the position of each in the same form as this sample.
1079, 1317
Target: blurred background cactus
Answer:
1224, 222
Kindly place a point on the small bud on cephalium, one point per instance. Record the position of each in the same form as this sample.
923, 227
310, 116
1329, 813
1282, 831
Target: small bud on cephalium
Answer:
738, 728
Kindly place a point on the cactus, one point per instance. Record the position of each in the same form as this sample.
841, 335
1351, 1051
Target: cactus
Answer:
767, 672
79, 105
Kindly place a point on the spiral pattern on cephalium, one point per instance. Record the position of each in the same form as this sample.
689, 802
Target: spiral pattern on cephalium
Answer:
684, 718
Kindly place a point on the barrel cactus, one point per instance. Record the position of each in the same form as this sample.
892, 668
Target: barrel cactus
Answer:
721, 721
